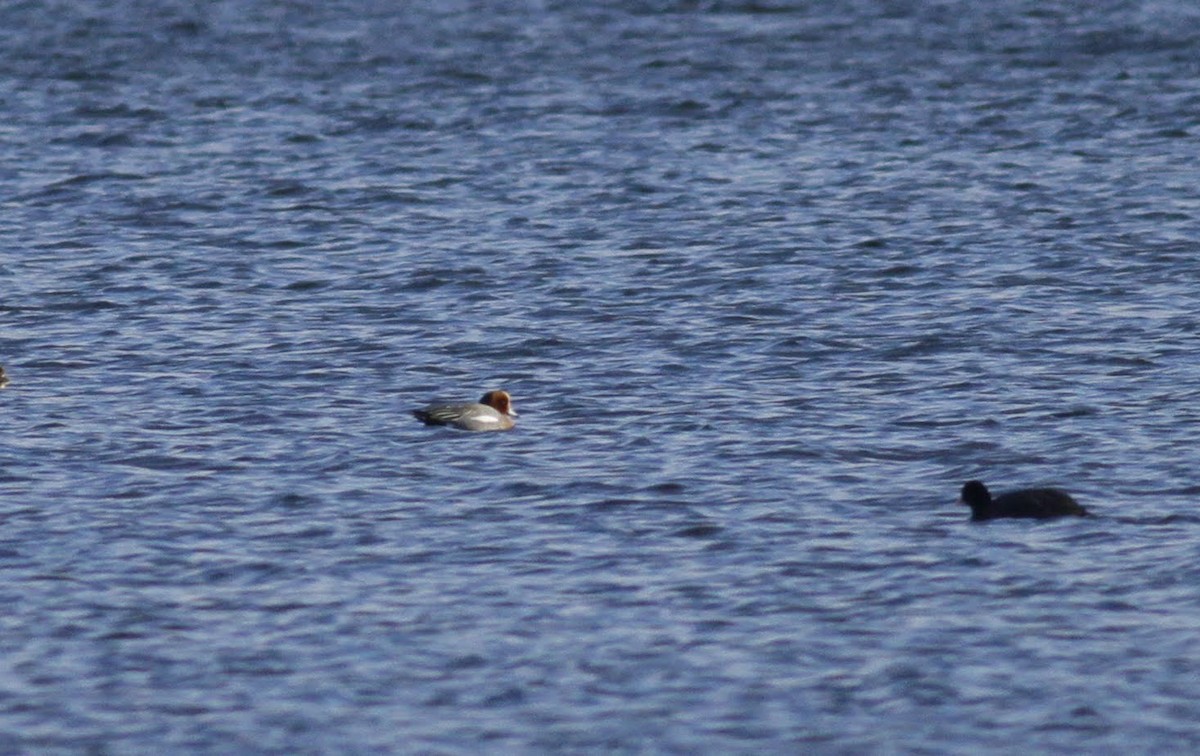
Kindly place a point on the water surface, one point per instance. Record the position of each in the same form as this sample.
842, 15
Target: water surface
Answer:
768, 282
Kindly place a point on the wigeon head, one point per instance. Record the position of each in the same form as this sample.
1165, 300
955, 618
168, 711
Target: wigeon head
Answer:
499, 401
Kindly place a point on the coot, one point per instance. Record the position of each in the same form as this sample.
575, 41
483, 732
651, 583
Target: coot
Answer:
1041, 503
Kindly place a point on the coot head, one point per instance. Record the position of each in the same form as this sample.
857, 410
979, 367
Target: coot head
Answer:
976, 495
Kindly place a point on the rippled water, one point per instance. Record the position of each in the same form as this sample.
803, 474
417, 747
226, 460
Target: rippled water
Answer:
768, 282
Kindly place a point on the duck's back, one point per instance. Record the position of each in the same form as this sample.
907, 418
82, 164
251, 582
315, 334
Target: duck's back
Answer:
474, 417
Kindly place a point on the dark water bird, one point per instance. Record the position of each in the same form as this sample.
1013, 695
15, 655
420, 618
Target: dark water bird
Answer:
1039, 503
492, 412
3, 378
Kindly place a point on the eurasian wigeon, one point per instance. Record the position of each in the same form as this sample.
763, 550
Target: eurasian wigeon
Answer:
1040, 503
492, 412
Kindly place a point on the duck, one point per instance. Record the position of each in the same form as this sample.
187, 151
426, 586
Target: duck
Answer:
1039, 503
493, 412
3, 377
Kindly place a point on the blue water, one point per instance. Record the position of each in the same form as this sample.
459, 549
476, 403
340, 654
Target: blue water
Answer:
767, 280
